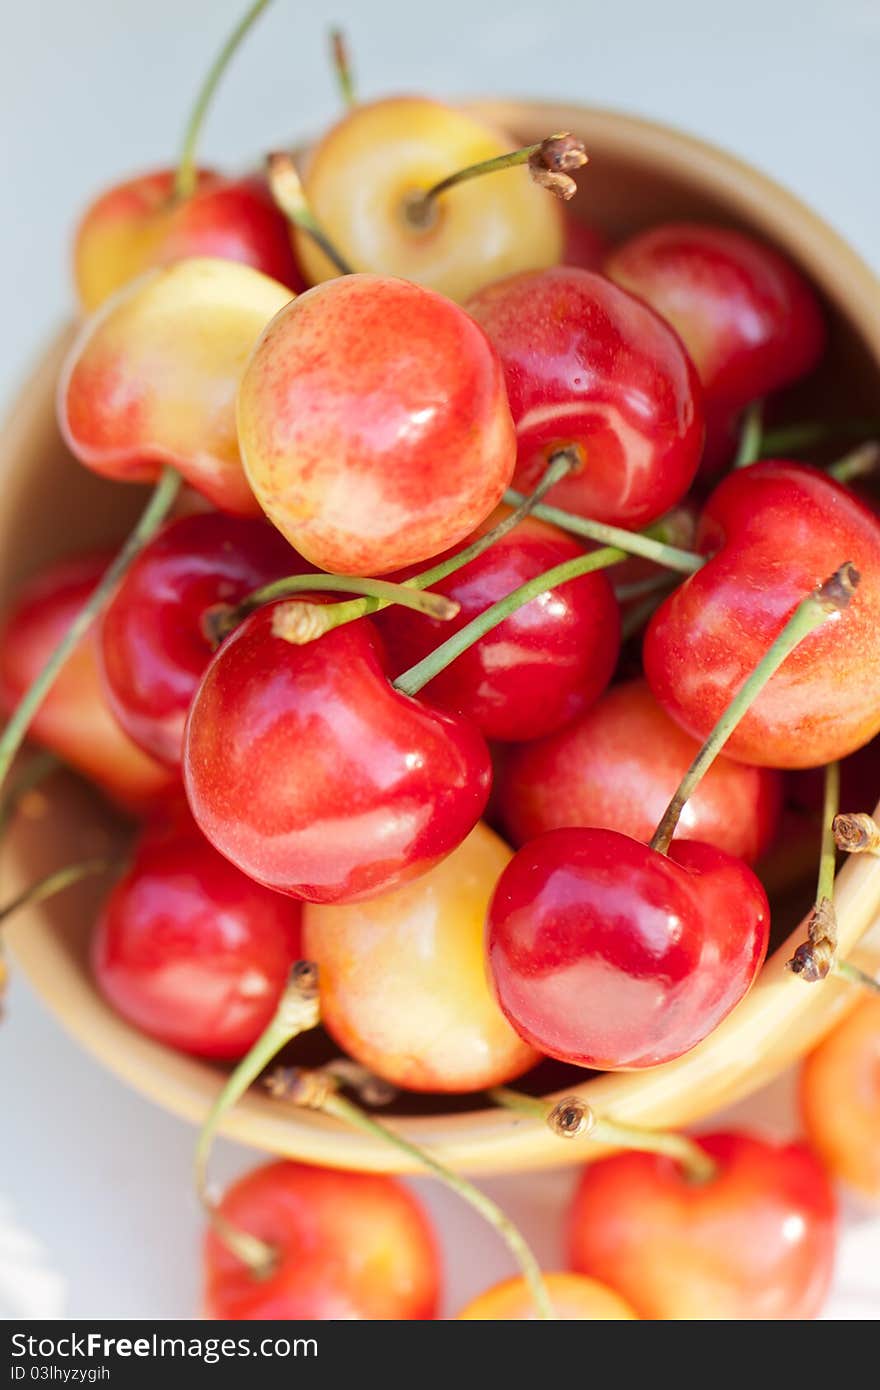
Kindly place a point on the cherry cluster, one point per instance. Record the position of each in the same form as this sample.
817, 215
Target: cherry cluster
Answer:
461, 569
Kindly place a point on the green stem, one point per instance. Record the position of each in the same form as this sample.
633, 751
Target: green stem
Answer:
349, 1113
185, 179
342, 67
53, 883
750, 439
696, 1163
297, 1011
154, 514
632, 542
810, 613
420, 208
858, 463
40, 766
287, 190
412, 681
851, 972
828, 851
804, 434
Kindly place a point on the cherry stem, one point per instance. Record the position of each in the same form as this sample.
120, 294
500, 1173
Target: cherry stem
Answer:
53, 883
303, 622
41, 766
851, 972
573, 1118
551, 162
153, 515
412, 681
858, 463
342, 66
335, 614
644, 543
751, 436
804, 434
811, 612
297, 1012
185, 178
318, 1091
855, 832
286, 188
815, 957
828, 851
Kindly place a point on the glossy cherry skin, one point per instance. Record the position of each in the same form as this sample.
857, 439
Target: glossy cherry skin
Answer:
840, 1100
617, 766
563, 645
774, 531
574, 1299
587, 364
139, 224
75, 720
374, 424
305, 768
403, 977
349, 1246
190, 950
154, 644
748, 318
754, 1242
609, 955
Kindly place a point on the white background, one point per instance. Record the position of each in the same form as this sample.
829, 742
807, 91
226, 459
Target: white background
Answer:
93, 90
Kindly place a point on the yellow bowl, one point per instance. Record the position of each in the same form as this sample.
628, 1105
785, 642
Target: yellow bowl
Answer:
639, 173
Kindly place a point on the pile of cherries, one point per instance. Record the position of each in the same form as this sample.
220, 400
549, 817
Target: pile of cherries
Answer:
370, 717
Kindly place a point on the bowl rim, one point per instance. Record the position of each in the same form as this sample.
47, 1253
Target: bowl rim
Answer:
780, 1018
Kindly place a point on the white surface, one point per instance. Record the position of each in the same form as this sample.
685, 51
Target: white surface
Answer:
92, 91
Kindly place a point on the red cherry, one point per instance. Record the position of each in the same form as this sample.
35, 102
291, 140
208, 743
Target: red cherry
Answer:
773, 531
154, 644
562, 646
754, 1242
749, 320
587, 364
312, 774
190, 950
585, 245
609, 954
75, 720
616, 768
348, 1246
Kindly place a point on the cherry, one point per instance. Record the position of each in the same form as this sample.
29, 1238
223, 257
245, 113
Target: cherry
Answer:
403, 985
347, 1246
616, 766
840, 1100
306, 769
585, 245
152, 378
770, 530
74, 719
190, 950
587, 364
564, 644
755, 1241
748, 318
374, 424
608, 954
574, 1299
365, 180
154, 641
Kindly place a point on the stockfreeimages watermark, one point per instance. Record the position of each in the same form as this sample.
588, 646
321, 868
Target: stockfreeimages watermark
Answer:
36, 1358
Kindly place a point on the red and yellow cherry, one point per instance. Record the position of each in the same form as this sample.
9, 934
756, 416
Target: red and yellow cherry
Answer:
563, 645
311, 773
574, 1299
364, 181
374, 424
748, 318
590, 366
192, 951
153, 376
585, 245
609, 954
755, 1241
616, 767
403, 977
141, 223
772, 531
347, 1246
840, 1100
154, 643
74, 720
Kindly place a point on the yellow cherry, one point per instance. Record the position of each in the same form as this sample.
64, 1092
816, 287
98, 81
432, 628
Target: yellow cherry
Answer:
575, 1298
